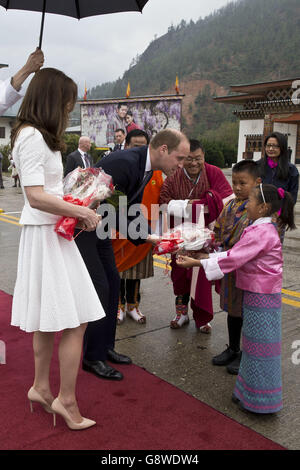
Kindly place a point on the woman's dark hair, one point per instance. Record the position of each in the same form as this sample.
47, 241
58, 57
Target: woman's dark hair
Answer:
129, 113
270, 194
282, 171
49, 98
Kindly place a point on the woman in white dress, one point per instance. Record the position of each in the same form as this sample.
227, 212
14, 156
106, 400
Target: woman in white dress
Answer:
53, 290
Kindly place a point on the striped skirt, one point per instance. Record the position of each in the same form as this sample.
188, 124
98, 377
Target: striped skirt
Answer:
142, 270
231, 297
259, 384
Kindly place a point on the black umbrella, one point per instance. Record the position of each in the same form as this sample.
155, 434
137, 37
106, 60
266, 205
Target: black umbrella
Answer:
75, 8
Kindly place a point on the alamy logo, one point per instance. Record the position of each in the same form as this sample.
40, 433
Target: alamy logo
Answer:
296, 355
296, 93
2, 352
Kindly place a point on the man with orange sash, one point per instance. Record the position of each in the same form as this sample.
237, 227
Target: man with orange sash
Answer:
136, 262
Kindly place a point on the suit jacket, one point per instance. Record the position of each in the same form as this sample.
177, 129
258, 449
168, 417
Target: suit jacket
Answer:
127, 168
119, 147
74, 160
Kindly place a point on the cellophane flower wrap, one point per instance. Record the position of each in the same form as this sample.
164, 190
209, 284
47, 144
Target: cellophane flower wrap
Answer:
188, 237
83, 187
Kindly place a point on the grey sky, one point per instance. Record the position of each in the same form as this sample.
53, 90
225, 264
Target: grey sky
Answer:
97, 49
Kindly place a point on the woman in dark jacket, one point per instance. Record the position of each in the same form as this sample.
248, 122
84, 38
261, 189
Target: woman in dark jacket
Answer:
275, 166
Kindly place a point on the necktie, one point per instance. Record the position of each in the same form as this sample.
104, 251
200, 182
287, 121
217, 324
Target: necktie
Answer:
86, 159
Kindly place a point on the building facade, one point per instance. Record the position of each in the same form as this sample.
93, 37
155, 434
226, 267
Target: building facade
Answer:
264, 108
6, 123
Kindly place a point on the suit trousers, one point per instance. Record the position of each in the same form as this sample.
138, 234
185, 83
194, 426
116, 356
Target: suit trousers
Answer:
99, 259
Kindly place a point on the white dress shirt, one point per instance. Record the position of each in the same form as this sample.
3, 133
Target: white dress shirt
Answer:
82, 156
148, 162
8, 95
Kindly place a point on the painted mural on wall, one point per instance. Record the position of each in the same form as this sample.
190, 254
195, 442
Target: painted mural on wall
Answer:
100, 120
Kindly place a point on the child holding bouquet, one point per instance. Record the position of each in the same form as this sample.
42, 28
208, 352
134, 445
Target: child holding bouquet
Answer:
257, 259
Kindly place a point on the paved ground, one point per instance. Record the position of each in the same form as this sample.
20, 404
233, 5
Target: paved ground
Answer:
183, 357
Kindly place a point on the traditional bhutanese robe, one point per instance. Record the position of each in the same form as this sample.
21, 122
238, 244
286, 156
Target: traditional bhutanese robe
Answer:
228, 229
180, 188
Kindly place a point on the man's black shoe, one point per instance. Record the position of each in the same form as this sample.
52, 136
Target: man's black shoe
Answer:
235, 399
226, 357
233, 367
117, 358
101, 370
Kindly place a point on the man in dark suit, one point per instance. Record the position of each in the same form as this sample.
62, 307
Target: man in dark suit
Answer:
131, 170
80, 157
120, 139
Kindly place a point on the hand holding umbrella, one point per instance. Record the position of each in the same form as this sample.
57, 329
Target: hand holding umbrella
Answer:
33, 64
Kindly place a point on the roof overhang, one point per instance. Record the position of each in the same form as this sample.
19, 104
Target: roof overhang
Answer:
263, 87
237, 99
295, 117
133, 99
254, 91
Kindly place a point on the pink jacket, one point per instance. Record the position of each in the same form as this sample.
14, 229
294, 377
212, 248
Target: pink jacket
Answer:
256, 257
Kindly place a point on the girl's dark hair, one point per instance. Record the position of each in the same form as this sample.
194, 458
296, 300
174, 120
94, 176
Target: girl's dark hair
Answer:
275, 203
282, 171
49, 98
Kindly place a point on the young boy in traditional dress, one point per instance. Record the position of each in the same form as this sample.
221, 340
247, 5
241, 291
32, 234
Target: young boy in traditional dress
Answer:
228, 230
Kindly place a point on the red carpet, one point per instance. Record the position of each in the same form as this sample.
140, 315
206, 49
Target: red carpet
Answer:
141, 412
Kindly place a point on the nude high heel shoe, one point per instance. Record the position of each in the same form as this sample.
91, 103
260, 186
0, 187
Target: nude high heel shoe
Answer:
58, 408
34, 396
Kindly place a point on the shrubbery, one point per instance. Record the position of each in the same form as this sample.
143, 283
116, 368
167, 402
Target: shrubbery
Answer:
5, 150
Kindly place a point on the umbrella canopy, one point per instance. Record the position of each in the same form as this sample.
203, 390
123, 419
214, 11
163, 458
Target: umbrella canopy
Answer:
75, 8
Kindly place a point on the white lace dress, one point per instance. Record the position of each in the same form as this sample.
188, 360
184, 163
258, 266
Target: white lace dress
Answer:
53, 289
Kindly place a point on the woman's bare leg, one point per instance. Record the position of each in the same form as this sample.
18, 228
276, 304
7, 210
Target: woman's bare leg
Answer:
43, 350
70, 348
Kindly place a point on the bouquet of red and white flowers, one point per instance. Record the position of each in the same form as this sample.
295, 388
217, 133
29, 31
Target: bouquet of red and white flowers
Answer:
84, 187
187, 236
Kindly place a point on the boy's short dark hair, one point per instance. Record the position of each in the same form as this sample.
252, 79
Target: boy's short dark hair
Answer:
247, 166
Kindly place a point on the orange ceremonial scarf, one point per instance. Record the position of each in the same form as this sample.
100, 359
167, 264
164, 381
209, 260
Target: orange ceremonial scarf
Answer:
126, 253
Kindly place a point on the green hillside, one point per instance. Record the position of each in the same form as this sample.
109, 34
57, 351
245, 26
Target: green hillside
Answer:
246, 41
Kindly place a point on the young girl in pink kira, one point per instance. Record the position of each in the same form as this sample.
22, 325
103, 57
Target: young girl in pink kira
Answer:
257, 259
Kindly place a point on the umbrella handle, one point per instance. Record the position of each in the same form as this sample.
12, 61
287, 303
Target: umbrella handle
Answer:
42, 25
